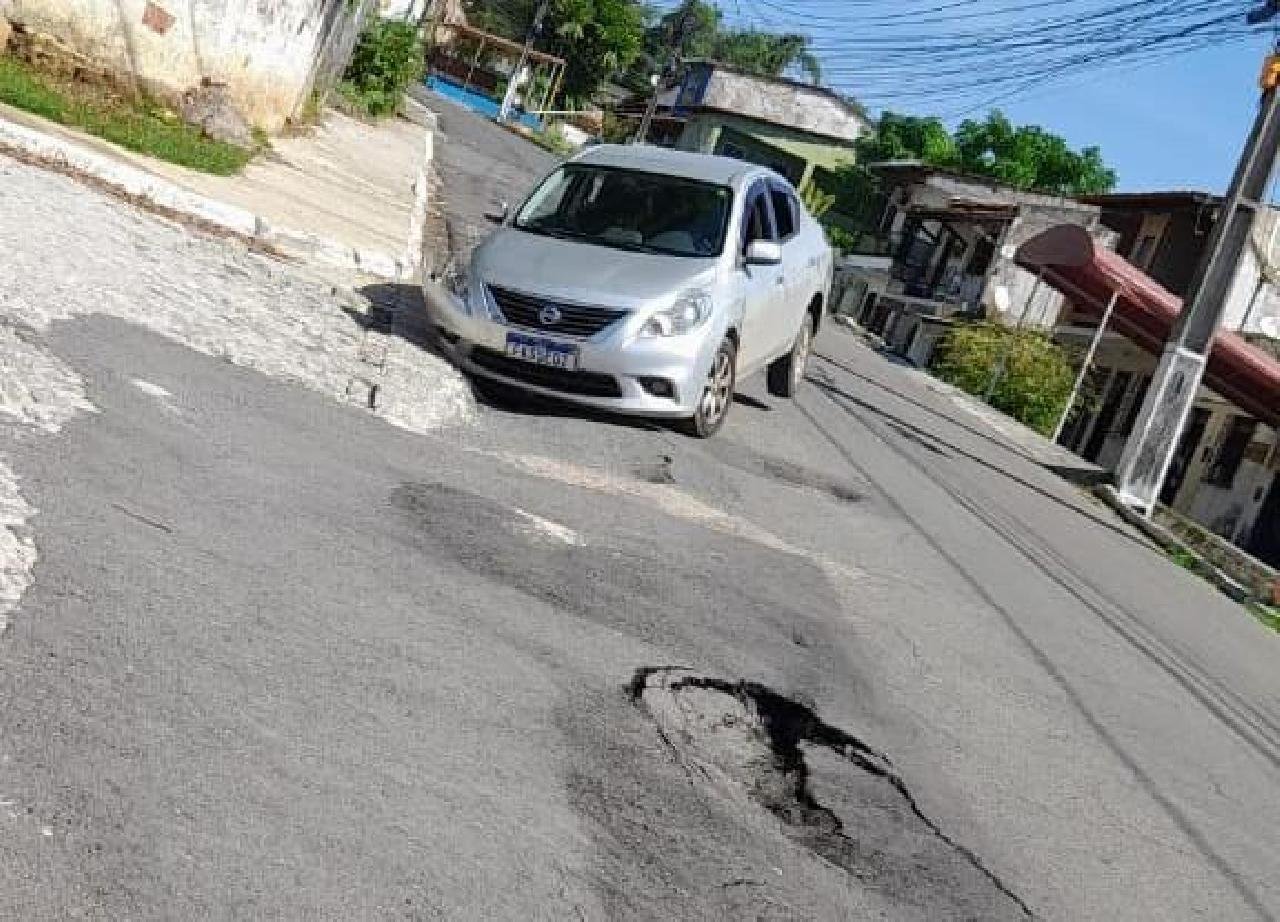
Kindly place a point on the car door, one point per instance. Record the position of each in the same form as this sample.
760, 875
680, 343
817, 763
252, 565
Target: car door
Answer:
797, 273
760, 286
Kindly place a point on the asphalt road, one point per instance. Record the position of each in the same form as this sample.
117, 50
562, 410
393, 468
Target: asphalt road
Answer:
281, 659
482, 165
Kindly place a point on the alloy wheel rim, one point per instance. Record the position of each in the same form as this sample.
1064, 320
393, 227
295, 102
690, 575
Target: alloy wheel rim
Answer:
802, 354
719, 385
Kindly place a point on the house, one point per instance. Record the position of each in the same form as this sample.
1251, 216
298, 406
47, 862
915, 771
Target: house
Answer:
1224, 474
797, 129
269, 56
951, 237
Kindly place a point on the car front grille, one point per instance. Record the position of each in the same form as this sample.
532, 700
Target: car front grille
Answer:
585, 383
575, 321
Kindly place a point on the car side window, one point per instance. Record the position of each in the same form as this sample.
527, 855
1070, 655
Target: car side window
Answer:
784, 211
757, 220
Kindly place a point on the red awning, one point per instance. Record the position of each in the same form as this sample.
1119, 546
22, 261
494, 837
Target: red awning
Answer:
1072, 262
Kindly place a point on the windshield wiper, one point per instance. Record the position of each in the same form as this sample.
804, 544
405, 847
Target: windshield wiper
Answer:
559, 233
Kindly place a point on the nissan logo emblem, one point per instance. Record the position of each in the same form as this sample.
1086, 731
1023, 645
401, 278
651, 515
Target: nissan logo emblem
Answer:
549, 315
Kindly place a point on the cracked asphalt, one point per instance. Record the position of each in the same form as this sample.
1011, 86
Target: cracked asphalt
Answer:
281, 659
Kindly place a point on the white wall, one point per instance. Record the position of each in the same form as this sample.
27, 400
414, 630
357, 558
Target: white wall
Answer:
799, 107
408, 10
1250, 308
268, 52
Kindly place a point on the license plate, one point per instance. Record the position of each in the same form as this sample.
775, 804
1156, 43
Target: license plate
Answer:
542, 351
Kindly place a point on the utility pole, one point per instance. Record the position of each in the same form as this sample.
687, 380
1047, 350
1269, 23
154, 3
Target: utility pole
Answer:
671, 67
1151, 447
513, 85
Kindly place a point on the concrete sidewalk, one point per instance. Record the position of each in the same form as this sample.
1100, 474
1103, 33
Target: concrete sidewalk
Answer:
347, 195
1031, 444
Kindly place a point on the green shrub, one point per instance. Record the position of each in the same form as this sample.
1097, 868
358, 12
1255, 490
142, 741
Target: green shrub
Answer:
617, 129
387, 59
841, 240
1037, 377
1267, 614
553, 139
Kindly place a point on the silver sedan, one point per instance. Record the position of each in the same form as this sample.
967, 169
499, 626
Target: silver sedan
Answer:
645, 281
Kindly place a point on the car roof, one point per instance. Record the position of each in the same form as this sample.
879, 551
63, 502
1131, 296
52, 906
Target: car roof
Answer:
723, 171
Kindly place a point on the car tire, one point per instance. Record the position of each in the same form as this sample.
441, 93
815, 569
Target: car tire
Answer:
785, 374
717, 393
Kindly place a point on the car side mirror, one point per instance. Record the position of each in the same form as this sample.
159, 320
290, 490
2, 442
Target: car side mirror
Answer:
497, 213
763, 253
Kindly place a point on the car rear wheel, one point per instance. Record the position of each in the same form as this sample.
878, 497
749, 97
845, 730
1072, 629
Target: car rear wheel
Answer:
717, 393
785, 375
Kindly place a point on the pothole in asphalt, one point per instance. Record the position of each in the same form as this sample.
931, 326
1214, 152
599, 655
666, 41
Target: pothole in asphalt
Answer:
658, 471
832, 793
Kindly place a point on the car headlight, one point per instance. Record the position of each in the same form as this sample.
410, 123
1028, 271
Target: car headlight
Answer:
689, 312
472, 294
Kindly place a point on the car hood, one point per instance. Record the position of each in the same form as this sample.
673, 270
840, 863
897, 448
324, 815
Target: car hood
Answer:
586, 273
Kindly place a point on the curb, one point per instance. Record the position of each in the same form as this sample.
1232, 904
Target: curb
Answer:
1169, 542
147, 190
1056, 461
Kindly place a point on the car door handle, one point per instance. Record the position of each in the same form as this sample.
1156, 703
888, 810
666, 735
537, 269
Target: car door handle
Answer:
780, 281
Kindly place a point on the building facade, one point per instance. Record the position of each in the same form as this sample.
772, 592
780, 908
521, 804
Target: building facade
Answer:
270, 54
951, 238
1224, 474
794, 128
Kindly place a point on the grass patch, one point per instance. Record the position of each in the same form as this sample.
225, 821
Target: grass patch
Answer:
136, 123
552, 139
1185, 559
1267, 614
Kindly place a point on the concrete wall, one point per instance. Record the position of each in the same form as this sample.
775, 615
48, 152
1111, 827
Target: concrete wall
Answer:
1229, 511
407, 10
779, 102
703, 131
270, 53
1253, 305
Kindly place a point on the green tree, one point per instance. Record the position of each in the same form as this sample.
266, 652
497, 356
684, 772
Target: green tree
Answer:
1025, 157
707, 36
1028, 157
907, 137
595, 37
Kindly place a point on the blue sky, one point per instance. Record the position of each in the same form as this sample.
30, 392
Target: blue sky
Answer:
1175, 124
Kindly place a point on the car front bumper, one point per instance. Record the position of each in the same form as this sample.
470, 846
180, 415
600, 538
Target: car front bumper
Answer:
613, 365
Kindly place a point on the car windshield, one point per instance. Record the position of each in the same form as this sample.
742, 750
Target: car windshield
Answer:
629, 210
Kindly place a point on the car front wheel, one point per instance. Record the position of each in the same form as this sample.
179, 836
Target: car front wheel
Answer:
717, 393
785, 375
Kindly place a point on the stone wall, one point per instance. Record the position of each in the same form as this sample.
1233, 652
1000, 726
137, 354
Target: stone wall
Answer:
269, 53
